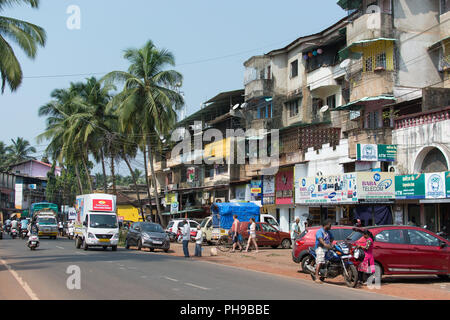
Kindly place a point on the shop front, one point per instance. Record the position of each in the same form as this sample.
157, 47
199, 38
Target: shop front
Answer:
284, 198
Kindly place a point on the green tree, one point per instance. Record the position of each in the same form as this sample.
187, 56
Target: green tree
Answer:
26, 35
148, 100
3, 156
20, 150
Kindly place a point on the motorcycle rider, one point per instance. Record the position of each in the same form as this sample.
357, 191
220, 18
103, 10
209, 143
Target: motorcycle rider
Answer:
15, 224
7, 225
33, 227
324, 240
23, 224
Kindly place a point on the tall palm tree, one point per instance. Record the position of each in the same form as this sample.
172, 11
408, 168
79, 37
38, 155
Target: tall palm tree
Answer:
3, 156
26, 35
20, 150
149, 98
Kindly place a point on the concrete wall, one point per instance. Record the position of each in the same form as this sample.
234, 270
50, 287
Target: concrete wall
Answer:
327, 160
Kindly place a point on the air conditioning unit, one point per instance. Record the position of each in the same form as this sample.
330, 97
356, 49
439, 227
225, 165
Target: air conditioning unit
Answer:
393, 168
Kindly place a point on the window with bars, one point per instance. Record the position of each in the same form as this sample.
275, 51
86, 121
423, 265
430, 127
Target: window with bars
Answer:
293, 108
331, 101
294, 68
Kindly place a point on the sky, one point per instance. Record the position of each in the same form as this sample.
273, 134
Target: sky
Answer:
210, 39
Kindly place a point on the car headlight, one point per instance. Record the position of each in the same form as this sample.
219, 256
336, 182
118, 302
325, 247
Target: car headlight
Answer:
90, 235
145, 236
115, 236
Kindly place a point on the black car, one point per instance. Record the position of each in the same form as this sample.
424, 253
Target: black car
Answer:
147, 235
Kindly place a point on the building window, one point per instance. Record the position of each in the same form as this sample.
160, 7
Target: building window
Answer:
221, 169
445, 6
380, 60
331, 101
265, 111
293, 107
209, 171
294, 68
379, 55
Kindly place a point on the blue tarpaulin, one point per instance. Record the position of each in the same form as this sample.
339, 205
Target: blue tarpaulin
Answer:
223, 213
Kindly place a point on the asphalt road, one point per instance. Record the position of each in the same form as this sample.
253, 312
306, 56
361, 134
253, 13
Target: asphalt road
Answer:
129, 274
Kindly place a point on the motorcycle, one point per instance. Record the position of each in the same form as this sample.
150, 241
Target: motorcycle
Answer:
8, 229
23, 233
33, 241
337, 262
14, 233
70, 232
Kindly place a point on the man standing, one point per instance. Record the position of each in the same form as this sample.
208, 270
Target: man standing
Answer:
295, 230
324, 239
198, 242
186, 231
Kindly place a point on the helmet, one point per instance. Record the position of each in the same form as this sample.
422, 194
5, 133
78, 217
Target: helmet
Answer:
359, 254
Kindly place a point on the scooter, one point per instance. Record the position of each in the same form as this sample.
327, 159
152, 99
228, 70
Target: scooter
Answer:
33, 241
70, 232
14, 233
23, 233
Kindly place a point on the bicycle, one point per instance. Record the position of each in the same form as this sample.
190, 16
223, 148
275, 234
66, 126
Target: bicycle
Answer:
225, 243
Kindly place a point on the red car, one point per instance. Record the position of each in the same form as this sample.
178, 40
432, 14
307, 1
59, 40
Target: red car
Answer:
308, 239
408, 250
266, 235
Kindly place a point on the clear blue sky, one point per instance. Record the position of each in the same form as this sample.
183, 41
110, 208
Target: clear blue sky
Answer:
195, 31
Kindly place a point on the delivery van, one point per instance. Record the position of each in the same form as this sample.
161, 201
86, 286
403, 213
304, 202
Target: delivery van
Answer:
96, 224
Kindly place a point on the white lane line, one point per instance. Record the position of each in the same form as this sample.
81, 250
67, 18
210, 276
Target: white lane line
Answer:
174, 280
22, 283
195, 286
60, 247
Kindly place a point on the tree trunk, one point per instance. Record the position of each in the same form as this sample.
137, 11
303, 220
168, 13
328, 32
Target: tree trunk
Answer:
87, 172
155, 185
105, 182
147, 181
113, 174
135, 185
77, 173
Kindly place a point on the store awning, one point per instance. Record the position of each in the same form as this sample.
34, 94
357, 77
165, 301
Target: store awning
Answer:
438, 43
352, 51
357, 104
349, 4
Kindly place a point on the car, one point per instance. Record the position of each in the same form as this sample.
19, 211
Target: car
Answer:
266, 235
307, 239
178, 223
147, 235
401, 250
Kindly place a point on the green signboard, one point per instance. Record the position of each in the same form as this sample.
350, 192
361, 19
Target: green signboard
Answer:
411, 186
447, 183
376, 152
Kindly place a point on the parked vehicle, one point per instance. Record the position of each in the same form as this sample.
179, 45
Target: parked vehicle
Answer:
172, 236
307, 239
33, 241
337, 262
14, 233
407, 250
147, 235
96, 224
175, 226
266, 235
45, 214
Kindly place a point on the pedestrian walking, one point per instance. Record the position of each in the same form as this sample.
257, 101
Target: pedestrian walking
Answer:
367, 266
235, 234
198, 242
186, 232
60, 228
252, 235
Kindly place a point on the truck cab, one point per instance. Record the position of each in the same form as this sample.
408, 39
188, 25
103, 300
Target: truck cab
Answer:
96, 224
270, 220
47, 224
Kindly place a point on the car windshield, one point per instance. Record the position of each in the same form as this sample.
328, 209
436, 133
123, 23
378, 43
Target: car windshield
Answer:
204, 222
44, 221
152, 227
103, 221
355, 236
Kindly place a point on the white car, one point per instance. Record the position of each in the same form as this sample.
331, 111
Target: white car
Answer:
178, 223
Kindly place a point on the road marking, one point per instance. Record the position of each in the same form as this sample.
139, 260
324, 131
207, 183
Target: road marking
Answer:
81, 253
60, 247
22, 283
174, 280
195, 286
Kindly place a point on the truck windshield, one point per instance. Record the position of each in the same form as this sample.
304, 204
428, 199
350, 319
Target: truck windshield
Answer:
204, 222
44, 221
103, 221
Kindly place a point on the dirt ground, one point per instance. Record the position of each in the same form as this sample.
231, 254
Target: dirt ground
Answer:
279, 261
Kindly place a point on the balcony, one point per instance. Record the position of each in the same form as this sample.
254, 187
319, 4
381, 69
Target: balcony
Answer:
259, 88
370, 26
324, 76
422, 118
370, 84
368, 136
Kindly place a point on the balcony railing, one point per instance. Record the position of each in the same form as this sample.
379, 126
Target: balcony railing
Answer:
370, 26
422, 118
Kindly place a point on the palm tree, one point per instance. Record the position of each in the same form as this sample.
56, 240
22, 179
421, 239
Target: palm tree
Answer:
24, 34
3, 156
149, 98
20, 150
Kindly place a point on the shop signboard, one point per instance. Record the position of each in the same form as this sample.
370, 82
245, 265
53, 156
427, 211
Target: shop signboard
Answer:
321, 189
170, 198
447, 183
284, 186
375, 185
411, 186
435, 185
190, 174
255, 190
268, 190
374, 152
350, 194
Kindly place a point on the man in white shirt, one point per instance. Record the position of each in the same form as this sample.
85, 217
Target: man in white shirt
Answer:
186, 231
295, 230
198, 242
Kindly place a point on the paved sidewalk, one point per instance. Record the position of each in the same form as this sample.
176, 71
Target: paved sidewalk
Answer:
279, 261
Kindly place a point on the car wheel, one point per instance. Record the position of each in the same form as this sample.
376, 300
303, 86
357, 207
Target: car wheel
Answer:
443, 277
85, 246
286, 244
139, 244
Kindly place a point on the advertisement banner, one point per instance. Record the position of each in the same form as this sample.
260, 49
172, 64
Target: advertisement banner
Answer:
375, 185
18, 196
447, 183
268, 190
374, 152
170, 198
284, 186
411, 186
350, 187
102, 205
72, 214
323, 189
435, 185
190, 172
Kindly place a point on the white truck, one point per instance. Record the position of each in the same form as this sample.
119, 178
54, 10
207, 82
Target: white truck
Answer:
96, 224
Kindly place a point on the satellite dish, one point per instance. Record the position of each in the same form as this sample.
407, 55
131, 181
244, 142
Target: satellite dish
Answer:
344, 64
373, 9
236, 106
324, 109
